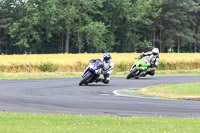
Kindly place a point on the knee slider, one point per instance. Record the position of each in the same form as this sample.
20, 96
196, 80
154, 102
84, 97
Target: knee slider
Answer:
105, 81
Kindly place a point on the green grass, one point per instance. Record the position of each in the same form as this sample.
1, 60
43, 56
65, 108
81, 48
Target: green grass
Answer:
8, 77
42, 75
173, 91
43, 123
177, 72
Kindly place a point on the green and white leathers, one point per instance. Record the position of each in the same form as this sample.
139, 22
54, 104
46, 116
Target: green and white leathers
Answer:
139, 68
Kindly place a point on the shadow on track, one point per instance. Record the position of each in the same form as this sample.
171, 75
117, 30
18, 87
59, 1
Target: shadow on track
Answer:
91, 85
146, 78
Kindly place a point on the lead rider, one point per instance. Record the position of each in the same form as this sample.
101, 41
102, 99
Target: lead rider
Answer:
107, 69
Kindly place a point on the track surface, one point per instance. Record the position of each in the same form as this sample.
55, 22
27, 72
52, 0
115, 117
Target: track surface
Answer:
64, 96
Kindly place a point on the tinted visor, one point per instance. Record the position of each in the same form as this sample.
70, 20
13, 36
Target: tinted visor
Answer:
155, 53
106, 58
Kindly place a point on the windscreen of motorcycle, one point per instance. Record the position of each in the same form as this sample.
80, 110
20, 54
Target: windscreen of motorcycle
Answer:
146, 60
99, 65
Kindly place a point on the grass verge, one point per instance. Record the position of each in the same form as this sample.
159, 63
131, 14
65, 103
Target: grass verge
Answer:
189, 91
43, 123
42, 75
38, 75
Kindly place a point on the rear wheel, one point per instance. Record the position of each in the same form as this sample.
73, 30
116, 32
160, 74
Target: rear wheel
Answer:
132, 72
84, 79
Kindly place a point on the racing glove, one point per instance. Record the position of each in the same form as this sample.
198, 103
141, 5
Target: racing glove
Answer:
92, 60
140, 56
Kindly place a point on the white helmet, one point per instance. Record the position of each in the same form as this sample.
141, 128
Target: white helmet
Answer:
155, 51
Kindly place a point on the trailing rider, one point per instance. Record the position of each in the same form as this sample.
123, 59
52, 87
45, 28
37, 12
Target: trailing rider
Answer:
154, 60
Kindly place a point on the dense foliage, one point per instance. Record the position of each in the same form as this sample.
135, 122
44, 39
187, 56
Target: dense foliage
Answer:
77, 26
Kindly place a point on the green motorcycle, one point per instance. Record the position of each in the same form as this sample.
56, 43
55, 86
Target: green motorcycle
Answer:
140, 68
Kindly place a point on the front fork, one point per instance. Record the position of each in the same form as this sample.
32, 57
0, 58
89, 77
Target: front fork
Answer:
134, 67
85, 71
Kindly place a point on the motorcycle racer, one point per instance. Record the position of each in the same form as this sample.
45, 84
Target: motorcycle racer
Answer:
154, 60
107, 69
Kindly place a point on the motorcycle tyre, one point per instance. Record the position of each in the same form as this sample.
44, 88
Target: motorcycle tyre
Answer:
131, 73
84, 80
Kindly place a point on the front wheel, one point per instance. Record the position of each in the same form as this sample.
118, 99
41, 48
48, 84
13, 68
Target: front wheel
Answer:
132, 72
84, 80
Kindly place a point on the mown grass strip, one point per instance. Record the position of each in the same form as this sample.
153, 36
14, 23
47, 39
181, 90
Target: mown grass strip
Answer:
43, 123
46, 75
190, 91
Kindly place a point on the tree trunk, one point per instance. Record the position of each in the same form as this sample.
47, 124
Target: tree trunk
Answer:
6, 52
79, 42
194, 34
67, 42
161, 41
171, 48
62, 39
178, 48
154, 38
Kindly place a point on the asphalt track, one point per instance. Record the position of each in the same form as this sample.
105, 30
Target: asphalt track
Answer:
64, 96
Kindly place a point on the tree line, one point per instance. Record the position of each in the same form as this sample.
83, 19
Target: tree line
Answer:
77, 26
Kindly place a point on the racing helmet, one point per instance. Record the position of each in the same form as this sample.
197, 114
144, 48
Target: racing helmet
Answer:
155, 51
106, 57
